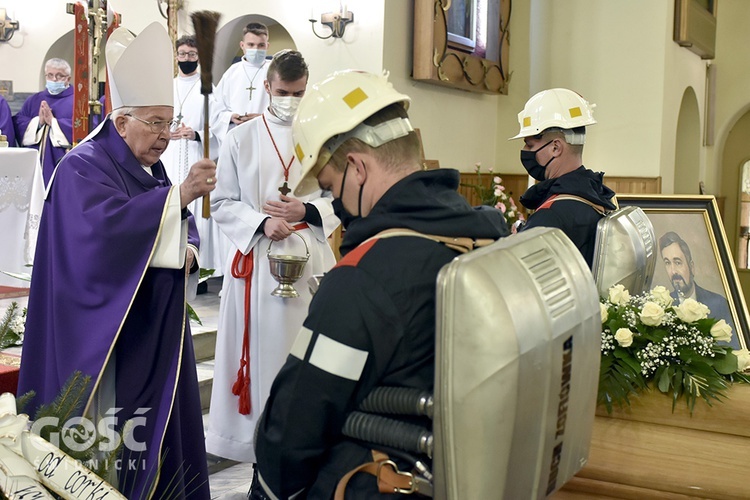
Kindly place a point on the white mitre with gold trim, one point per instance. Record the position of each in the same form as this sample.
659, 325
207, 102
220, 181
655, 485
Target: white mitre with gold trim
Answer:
140, 68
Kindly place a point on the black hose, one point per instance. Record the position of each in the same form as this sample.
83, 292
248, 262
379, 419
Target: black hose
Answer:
398, 401
388, 432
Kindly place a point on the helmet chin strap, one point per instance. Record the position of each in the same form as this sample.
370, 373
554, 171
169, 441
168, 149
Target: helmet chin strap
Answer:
361, 188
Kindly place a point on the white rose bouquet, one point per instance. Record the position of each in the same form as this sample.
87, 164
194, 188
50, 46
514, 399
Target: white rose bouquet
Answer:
646, 338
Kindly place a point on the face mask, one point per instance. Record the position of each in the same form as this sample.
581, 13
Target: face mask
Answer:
55, 88
344, 215
255, 56
284, 107
532, 166
187, 67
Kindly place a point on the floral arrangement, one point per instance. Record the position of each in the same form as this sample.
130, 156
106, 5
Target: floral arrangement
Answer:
494, 195
648, 340
12, 326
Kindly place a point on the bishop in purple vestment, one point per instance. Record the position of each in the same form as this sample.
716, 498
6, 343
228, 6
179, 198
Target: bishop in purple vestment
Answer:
45, 121
108, 291
6, 122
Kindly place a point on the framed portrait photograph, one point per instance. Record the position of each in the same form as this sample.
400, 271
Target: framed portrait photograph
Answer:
693, 259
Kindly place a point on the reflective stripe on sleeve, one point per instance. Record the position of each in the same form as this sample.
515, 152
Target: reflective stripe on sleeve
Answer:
299, 348
337, 358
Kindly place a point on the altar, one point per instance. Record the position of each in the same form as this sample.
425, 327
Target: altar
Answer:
21, 202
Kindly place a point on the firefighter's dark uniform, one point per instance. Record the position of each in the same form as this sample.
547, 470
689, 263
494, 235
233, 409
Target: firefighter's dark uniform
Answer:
371, 323
577, 219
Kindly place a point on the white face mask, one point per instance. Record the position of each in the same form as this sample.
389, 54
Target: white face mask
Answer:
255, 56
284, 107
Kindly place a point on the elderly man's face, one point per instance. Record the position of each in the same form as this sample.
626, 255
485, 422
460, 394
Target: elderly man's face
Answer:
679, 270
146, 132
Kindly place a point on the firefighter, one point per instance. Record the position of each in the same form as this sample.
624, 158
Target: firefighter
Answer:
568, 196
372, 321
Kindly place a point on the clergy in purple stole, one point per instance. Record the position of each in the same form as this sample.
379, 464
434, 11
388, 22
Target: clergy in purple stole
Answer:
6, 122
45, 121
108, 290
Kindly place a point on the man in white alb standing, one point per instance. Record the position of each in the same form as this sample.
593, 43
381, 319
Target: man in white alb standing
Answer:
240, 95
186, 147
252, 206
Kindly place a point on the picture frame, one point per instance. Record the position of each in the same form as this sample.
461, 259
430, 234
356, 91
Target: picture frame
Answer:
696, 221
440, 58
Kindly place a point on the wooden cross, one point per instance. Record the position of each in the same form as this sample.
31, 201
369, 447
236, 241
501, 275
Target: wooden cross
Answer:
284, 189
250, 88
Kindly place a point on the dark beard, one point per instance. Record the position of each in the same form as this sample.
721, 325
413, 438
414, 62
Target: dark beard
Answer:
680, 285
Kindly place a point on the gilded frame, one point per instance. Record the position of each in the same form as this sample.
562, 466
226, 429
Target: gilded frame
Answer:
696, 219
435, 62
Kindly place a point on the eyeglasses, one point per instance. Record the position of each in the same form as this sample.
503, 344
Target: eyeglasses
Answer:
156, 127
56, 77
193, 56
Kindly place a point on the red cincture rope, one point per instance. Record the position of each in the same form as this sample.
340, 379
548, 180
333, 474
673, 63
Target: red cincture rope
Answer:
242, 268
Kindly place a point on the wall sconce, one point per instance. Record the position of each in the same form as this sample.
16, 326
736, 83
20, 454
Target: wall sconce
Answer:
7, 26
336, 21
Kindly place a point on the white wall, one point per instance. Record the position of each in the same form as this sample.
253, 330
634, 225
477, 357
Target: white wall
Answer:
42, 25
612, 53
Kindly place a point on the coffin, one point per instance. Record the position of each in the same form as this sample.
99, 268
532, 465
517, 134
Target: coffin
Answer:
646, 451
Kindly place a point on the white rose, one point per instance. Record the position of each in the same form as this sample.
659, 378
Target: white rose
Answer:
624, 337
721, 331
661, 296
652, 314
691, 311
743, 360
604, 312
618, 295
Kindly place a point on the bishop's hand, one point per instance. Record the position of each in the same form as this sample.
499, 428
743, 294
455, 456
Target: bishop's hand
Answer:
200, 181
290, 209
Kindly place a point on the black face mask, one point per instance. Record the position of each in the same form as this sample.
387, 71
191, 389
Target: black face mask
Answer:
532, 166
187, 67
344, 215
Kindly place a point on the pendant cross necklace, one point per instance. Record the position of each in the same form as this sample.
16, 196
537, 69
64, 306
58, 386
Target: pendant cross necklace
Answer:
252, 80
284, 188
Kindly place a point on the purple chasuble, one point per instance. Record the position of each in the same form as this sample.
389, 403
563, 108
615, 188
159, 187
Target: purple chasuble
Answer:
62, 109
95, 303
6, 122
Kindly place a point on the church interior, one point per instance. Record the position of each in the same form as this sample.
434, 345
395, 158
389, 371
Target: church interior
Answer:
671, 136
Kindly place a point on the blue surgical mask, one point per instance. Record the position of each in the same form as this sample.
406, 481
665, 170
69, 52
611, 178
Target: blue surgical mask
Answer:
55, 88
255, 56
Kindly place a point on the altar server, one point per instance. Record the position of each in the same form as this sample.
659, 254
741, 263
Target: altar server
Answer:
253, 207
186, 147
240, 94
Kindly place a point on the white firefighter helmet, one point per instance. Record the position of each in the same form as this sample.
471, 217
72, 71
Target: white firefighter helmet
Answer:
335, 106
555, 108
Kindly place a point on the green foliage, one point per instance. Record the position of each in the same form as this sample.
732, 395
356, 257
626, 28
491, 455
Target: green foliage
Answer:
12, 326
68, 404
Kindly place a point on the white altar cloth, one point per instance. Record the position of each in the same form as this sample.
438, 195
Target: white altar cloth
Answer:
21, 202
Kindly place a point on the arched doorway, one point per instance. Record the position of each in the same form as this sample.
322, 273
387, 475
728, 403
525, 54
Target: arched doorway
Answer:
227, 44
687, 145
